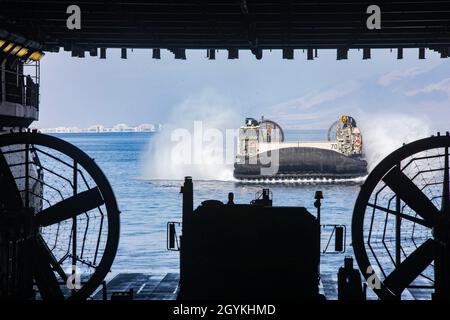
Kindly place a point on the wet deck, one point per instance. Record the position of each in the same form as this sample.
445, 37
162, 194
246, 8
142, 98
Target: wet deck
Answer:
165, 287
144, 286
329, 288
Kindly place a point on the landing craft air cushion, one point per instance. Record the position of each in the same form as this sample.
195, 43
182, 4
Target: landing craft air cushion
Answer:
263, 153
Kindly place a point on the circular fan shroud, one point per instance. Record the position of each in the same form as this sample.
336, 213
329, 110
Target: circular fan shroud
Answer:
331, 133
275, 126
103, 191
387, 177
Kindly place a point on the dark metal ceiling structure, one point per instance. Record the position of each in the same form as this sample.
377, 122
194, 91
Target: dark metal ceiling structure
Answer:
229, 24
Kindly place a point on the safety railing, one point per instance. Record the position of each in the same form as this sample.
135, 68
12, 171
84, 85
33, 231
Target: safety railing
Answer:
20, 84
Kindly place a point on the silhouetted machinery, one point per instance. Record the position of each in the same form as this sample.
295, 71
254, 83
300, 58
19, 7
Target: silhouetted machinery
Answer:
401, 222
59, 231
400, 233
59, 221
247, 251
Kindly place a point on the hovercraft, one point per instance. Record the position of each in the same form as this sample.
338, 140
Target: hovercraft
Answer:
264, 154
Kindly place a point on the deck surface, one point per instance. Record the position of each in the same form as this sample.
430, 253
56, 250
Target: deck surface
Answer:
165, 287
144, 286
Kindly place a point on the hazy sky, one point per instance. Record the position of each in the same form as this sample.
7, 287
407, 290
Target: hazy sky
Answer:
296, 93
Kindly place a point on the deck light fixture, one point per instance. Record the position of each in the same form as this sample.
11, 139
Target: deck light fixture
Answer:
37, 55
10, 48
21, 52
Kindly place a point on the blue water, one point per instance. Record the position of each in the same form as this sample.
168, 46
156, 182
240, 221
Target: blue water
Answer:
146, 206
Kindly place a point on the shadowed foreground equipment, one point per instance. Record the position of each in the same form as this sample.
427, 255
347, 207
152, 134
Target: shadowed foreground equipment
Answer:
248, 251
59, 221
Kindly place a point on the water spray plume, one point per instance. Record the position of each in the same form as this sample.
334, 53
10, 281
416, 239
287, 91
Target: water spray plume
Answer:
196, 141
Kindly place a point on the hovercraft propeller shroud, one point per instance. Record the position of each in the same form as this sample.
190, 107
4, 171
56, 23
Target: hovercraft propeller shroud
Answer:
58, 219
401, 221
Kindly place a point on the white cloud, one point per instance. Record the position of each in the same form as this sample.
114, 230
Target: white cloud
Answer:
442, 86
308, 112
401, 74
313, 99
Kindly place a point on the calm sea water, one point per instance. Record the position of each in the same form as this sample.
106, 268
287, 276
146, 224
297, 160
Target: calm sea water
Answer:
146, 206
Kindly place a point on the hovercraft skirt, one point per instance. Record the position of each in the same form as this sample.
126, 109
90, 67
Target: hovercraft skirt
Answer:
300, 163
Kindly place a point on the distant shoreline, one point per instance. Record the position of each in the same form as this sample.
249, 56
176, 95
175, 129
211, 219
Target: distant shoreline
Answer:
93, 132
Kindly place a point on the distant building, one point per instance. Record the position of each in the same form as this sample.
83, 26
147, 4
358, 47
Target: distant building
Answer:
146, 127
121, 127
61, 130
96, 128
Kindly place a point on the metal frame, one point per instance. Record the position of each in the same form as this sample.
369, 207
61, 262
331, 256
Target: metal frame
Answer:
276, 127
385, 171
232, 25
34, 74
81, 160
